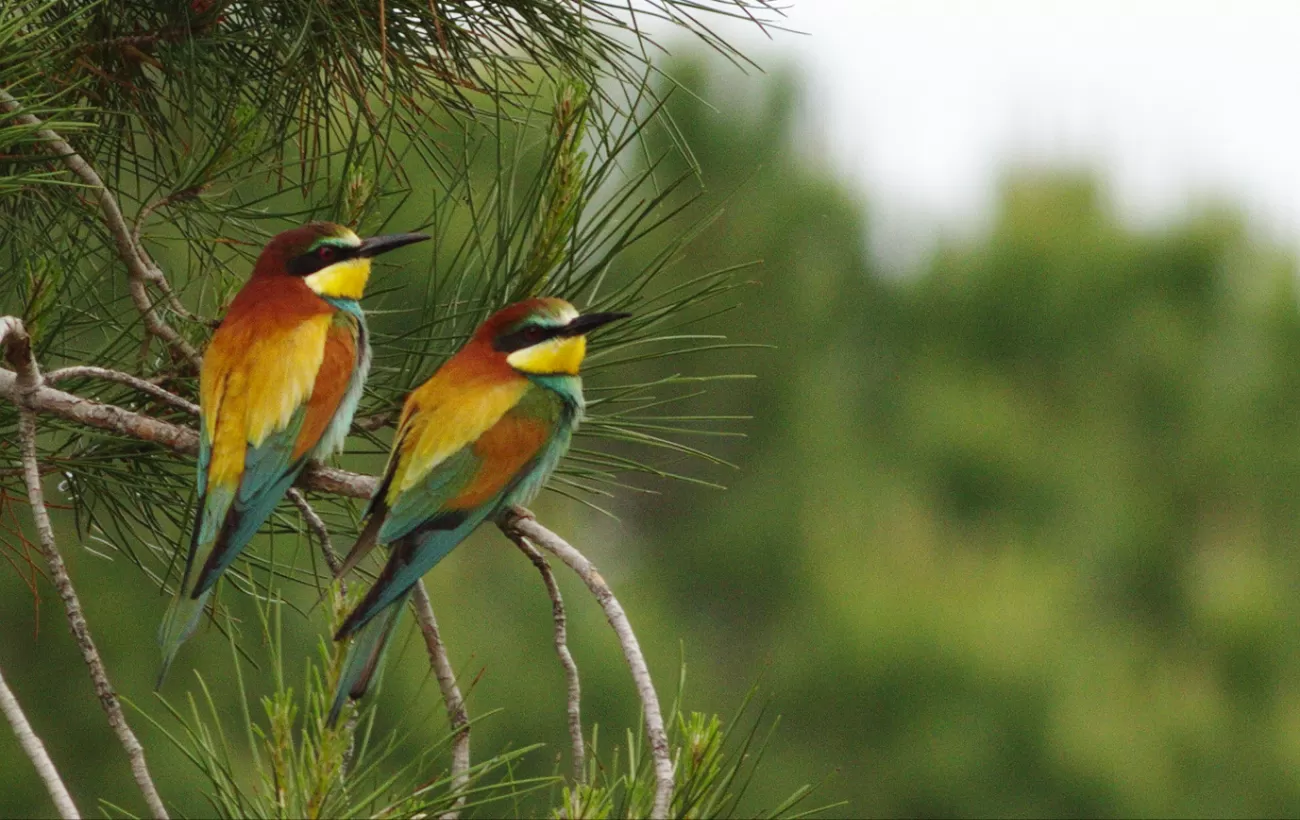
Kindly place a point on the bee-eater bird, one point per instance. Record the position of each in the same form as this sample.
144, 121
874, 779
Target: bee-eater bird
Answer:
279, 384
482, 434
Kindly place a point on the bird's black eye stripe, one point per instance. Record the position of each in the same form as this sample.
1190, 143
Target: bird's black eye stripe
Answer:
322, 256
526, 336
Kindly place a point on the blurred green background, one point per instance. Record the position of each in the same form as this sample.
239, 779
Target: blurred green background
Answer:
1012, 532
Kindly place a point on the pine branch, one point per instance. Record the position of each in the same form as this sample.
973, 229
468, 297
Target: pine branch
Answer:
88, 372
140, 268
457, 715
228, 97
25, 389
18, 352
574, 705
185, 440
35, 751
518, 523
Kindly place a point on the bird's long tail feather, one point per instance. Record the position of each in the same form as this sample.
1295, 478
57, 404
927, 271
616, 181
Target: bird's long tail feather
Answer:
364, 656
180, 622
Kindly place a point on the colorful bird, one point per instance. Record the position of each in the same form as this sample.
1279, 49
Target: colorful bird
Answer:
483, 433
279, 384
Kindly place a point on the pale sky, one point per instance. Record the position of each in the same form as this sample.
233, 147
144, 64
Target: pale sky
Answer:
923, 102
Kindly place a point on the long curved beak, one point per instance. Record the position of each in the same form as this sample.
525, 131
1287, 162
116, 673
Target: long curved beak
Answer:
590, 321
376, 245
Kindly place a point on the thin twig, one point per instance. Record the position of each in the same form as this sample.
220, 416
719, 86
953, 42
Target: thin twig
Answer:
457, 715
140, 269
317, 525
561, 649
183, 195
35, 750
18, 352
103, 373
518, 522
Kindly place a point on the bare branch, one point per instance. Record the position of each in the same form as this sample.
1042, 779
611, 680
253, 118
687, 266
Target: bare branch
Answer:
44, 399
562, 649
110, 417
340, 482
18, 351
317, 526
35, 750
140, 269
88, 372
520, 523
457, 715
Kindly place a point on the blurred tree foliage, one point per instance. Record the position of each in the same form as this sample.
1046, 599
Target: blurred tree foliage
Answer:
1016, 530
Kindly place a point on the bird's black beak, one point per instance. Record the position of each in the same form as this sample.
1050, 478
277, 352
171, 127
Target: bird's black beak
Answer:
590, 321
376, 245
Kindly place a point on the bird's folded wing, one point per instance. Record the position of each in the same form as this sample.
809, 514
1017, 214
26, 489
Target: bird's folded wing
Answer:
267, 397
431, 459
428, 520
466, 452
334, 377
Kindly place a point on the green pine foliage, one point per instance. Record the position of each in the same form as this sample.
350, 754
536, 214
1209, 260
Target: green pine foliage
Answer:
286, 762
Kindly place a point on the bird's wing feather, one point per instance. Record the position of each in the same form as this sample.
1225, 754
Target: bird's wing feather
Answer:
443, 417
271, 386
429, 520
468, 477
440, 420
334, 377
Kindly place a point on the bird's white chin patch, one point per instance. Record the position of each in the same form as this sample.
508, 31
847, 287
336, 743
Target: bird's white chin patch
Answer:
342, 280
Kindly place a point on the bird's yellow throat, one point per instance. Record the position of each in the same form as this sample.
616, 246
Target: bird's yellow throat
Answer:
561, 355
342, 280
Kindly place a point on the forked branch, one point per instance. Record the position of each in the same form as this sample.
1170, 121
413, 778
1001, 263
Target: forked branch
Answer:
457, 715
519, 523
55, 402
574, 702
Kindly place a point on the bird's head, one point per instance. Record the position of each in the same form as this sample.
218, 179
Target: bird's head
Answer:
541, 337
330, 259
